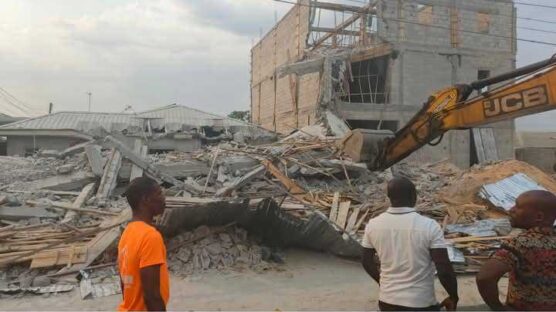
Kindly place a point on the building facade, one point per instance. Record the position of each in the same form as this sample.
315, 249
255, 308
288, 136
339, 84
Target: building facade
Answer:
374, 65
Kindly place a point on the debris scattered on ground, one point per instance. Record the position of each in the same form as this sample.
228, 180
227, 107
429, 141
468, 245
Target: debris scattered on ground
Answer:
61, 213
217, 248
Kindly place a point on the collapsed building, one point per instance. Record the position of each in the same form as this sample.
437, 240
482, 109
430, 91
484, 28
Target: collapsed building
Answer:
169, 128
372, 66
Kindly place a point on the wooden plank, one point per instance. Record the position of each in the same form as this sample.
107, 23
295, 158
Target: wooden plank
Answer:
291, 186
334, 208
141, 150
101, 241
352, 219
343, 211
96, 161
469, 239
70, 255
85, 194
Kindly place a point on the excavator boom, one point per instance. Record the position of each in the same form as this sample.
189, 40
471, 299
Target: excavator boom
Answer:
534, 91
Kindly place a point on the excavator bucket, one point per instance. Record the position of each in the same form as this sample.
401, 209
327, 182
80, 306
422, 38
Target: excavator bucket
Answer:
364, 145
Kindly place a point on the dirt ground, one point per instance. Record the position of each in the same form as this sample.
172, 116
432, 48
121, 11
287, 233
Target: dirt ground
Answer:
307, 281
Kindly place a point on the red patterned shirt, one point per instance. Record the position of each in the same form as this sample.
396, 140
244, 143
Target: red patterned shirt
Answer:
532, 257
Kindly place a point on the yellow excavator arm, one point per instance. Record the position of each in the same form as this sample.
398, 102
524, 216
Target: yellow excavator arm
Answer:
448, 109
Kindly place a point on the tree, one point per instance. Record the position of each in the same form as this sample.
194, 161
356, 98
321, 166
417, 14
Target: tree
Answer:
241, 115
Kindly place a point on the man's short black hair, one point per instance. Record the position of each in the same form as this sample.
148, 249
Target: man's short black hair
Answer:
402, 192
138, 189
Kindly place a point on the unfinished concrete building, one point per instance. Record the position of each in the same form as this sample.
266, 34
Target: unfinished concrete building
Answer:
373, 66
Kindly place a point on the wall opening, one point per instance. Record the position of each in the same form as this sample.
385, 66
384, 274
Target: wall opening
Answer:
483, 74
391, 125
425, 14
3, 146
483, 22
366, 82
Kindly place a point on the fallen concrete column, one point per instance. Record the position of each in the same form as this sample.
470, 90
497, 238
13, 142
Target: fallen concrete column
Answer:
110, 177
141, 150
96, 161
150, 170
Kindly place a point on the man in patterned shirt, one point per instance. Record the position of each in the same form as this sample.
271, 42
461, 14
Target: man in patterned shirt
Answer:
530, 258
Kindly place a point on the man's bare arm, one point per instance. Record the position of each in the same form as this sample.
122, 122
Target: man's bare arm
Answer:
487, 282
150, 280
446, 274
371, 266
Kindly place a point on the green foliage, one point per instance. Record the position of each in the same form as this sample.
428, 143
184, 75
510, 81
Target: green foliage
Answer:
241, 115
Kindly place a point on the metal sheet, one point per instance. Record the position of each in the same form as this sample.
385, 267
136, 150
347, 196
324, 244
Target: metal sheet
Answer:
503, 193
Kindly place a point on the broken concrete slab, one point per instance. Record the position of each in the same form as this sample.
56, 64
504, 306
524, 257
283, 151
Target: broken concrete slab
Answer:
75, 181
65, 169
74, 149
20, 213
57, 288
183, 170
49, 153
234, 163
96, 161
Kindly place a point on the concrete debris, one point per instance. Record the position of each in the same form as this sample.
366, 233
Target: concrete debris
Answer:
65, 169
204, 249
300, 191
52, 289
99, 283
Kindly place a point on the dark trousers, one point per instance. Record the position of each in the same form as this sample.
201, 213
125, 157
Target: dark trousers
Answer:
383, 306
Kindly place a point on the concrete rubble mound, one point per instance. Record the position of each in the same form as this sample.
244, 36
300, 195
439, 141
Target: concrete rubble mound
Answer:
217, 248
61, 214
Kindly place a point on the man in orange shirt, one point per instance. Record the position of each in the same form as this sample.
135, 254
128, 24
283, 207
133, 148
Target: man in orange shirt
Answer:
141, 251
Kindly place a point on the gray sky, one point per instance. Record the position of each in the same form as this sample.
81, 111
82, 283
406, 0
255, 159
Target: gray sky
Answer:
150, 53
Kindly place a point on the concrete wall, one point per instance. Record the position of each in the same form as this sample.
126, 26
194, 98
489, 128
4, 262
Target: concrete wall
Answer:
444, 48
542, 158
276, 103
19, 145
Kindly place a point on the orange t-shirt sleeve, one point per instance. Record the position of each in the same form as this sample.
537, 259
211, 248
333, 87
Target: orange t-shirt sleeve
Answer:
153, 251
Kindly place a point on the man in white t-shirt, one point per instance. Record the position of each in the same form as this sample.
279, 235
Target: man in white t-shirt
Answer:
408, 247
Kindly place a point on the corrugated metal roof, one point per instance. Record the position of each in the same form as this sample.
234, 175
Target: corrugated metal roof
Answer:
504, 192
190, 116
171, 116
80, 121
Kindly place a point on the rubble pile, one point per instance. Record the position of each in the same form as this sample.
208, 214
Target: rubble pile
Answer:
224, 248
62, 212
24, 169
